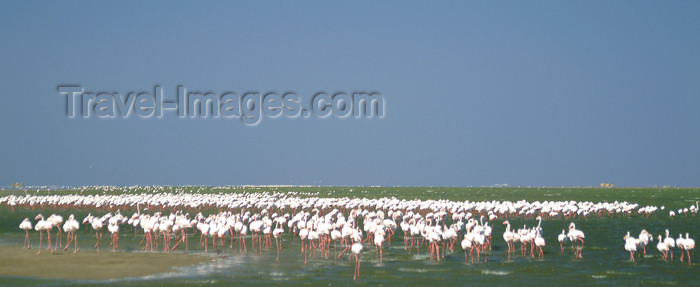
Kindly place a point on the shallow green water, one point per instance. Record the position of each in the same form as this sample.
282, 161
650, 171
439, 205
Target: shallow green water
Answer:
604, 262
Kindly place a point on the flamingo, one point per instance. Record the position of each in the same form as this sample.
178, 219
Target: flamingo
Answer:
222, 234
539, 242
165, 228
26, 225
630, 245
645, 238
470, 236
347, 233
147, 224
487, 233
405, 227
204, 230
466, 243
182, 224
97, 224
41, 226
415, 229
267, 231
213, 233
277, 233
390, 226
357, 251
303, 234
680, 243
70, 227
113, 229
576, 235
688, 245
670, 243
479, 241
450, 237
243, 233
56, 220
662, 247
379, 241
335, 236
313, 236
562, 239
508, 237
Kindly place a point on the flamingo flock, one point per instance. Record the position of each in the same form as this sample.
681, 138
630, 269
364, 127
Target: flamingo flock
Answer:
665, 245
349, 224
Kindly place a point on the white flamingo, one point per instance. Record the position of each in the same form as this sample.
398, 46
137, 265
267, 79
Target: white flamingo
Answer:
97, 225
645, 238
575, 236
562, 239
539, 243
688, 245
630, 245
277, 233
466, 243
70, 227
357, 251
508, 238
26, 225
113, 229
379, 241
670, 244
335, 236
57, 220
680, 243
41, 226
663, 248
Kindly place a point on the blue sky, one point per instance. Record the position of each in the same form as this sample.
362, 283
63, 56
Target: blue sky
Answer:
476, 93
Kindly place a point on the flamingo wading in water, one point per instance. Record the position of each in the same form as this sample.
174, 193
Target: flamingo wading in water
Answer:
575, 236
26, 225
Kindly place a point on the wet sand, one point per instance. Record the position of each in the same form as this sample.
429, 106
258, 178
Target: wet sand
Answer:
90, 265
